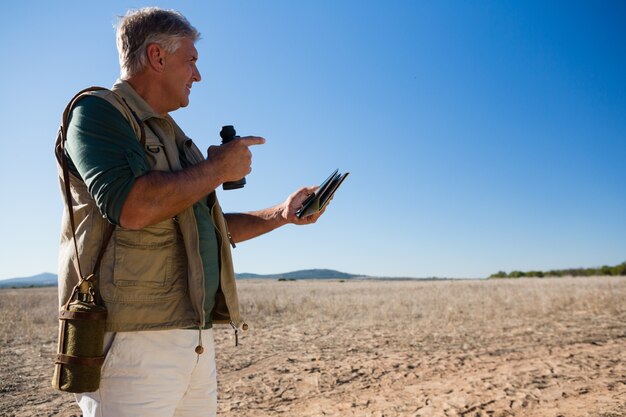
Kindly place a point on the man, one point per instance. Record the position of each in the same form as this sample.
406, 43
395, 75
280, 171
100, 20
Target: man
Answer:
166, 275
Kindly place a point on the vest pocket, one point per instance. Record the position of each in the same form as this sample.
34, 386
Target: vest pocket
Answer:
155, 154
150, 265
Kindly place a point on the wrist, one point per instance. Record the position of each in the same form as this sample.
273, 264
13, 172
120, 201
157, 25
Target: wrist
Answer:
281, 214
214, 173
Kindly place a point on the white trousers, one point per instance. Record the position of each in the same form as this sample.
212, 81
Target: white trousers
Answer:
155, 374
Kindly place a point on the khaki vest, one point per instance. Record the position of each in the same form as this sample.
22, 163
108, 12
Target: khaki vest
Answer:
151, 278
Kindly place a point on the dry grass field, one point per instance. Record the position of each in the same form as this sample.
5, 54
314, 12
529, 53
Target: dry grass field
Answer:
527, 347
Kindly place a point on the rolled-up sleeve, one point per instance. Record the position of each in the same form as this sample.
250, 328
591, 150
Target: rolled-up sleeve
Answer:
105, 152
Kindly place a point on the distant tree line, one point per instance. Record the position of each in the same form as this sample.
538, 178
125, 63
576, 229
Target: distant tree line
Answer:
572, 272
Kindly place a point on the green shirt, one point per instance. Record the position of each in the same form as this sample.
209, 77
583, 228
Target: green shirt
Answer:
103, 150
209, 254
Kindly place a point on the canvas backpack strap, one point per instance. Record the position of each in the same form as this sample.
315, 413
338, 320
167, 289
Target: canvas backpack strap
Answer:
64, 164
61, 155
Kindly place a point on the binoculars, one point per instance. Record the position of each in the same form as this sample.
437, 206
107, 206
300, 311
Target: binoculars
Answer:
227, 134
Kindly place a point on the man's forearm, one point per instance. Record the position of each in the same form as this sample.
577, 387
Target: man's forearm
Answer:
244, 226
159, 195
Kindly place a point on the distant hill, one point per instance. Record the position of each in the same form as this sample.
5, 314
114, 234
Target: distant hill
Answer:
303, 274
49, 280
41, 280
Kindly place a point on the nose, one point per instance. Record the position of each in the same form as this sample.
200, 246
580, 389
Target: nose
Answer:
196, 74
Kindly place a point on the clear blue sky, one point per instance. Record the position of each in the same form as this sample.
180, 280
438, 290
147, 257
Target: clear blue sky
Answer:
480, 136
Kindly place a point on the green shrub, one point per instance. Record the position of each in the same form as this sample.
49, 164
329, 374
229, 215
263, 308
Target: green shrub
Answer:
604, 270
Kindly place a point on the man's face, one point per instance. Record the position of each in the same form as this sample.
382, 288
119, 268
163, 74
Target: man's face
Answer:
180, 73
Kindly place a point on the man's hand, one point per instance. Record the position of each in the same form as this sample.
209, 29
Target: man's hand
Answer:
244, 226
294, 202
233, 160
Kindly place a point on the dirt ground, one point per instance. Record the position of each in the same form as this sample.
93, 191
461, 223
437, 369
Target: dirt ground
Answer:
527, 347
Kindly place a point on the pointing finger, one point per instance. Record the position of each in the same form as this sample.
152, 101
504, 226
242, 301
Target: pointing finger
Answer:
251, 140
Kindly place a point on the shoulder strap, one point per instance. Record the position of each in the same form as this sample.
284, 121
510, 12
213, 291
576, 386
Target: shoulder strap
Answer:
62, 137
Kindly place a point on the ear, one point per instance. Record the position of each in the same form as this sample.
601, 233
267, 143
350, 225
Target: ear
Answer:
156, 57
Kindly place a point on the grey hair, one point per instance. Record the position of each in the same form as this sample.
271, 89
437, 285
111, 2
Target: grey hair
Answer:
142, 27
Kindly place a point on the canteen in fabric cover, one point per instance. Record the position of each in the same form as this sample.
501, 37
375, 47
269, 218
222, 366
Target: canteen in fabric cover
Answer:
80, 350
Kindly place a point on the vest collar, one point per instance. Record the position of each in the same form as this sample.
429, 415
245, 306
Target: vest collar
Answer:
143, 110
